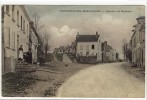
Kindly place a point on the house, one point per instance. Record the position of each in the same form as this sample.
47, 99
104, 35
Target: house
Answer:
15, 32
108, 53
33, 42
138, 42
142, 42
88, 48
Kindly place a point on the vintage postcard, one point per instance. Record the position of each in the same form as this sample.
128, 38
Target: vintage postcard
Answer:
77, 51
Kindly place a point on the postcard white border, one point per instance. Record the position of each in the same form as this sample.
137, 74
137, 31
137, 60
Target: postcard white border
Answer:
74, 2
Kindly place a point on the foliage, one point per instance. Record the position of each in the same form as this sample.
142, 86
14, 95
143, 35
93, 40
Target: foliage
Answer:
59, 56
14, 83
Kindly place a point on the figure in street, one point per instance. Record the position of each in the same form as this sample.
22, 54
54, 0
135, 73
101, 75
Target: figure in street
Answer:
29, 56
20, 56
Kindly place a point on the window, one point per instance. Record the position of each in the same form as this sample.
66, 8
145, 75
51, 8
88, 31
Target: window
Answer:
17, 17
21, 23
7, 9
92, 46
27, 29
13, 41
87, 47
7, 37
13, 12
81, 47
24, 25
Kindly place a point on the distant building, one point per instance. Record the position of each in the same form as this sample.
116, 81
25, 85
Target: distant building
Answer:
138, 42
88, 48
108, 53
15, 32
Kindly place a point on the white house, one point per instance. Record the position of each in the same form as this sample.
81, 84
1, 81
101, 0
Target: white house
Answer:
138, 42
88, 48
15, 32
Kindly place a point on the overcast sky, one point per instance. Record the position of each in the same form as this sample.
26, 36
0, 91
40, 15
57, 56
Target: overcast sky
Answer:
113, 23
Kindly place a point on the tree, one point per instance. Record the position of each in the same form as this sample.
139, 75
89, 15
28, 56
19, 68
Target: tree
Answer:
46, 42
37, 24
43, 35
124, 48
129, 55
127, 51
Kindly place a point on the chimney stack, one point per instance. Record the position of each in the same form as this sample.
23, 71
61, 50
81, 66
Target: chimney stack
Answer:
96, 32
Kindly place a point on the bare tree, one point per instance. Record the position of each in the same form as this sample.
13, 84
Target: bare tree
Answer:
37, 24
43, 35
127, 51
124, 47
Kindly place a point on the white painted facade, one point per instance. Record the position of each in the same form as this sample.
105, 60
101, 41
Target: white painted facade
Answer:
136, 41
86, 49
16, 33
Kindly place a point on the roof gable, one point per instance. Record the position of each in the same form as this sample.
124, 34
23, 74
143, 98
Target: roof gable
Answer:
87, 38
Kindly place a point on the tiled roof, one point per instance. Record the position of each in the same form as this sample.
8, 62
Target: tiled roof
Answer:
87, 38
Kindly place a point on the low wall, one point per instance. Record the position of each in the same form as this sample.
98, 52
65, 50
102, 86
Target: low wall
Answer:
87, 60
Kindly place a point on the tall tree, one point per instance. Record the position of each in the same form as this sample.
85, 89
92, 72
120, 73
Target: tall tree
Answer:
37, 24
124, 47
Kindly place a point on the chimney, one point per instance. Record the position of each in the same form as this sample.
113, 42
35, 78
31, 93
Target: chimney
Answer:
97, 33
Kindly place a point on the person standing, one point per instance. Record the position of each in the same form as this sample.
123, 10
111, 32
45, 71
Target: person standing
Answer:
29, 56
20, 53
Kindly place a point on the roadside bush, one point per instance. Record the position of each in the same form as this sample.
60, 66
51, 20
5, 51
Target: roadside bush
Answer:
59, 56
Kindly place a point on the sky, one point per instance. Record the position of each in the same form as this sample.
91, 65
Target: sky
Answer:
113, 23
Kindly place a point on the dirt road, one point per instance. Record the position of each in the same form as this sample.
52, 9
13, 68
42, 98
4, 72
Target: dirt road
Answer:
106, 80
50, 77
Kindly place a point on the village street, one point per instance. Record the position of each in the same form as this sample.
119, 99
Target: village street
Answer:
44, 55
66, 79
106, 80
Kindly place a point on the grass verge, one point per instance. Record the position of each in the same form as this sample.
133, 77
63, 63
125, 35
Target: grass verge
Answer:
59, 57
14, 83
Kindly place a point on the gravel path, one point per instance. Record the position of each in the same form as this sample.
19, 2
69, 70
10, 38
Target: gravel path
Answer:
102, 81
66, 59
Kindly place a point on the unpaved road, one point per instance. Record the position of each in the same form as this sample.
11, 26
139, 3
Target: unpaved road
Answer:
102, 81
51, 76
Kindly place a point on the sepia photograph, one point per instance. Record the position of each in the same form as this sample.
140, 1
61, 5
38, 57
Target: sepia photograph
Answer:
75, 51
